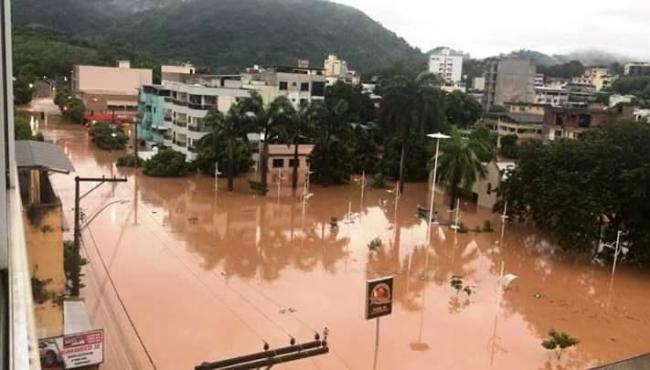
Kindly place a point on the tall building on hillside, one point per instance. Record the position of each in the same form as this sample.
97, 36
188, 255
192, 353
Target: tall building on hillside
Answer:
336, 69
110, 89
637, 69
449, 66
599, 77
509, 79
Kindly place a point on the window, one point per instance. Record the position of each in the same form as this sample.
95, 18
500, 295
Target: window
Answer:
489, 188
304, 86
284, 85
294, 84
294, 163
558, 133
318, 89
278, 163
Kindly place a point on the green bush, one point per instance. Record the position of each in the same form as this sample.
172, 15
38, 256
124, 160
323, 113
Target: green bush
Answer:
129, 160
22, 130
108, 136
167, 163
258, 187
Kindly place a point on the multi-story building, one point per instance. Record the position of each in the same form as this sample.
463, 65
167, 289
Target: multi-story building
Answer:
171, 73
637, 69
572, 122
447, 65
151, 121
299, 85
110, 89
509, 79
555, 96
599, 77
189, 102
530, 108
527, 126
539, 80
336, 69
581, 93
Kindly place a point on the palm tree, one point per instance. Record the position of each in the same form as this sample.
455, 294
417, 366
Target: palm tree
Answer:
295, 131
458, 166
331, 119
413, 105
267, 119
229, 131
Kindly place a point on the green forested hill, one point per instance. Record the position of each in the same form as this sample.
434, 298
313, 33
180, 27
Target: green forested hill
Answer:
225, 34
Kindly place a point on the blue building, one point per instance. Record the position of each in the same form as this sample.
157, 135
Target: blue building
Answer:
152, 123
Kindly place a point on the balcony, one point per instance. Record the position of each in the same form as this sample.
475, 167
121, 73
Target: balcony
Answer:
182, 144
191, 149
180, 123
168, 118
197, 128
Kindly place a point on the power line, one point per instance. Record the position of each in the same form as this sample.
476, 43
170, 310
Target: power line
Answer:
119, 298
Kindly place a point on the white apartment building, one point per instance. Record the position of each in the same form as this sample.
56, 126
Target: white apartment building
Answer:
447, 65
189, 102
539, 80
555, 96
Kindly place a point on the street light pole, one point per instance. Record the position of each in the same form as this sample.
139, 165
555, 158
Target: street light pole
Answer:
438, 136
76, 283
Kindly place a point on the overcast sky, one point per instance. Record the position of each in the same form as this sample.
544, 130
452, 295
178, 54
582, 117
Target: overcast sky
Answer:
488, 27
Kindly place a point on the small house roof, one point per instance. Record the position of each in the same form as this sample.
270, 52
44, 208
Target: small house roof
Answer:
36, 154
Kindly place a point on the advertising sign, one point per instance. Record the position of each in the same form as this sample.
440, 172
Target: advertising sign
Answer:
379, 297
83, 349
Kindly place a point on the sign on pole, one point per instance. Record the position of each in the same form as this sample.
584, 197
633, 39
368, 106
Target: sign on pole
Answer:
379, 297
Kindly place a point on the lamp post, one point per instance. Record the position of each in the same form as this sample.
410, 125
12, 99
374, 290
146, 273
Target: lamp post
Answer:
438, 136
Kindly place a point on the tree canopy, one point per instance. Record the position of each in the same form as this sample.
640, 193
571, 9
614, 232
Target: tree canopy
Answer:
582, 190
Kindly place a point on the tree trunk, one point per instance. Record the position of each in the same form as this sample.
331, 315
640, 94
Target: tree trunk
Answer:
454, 195
294, 179
231, 169
401, 168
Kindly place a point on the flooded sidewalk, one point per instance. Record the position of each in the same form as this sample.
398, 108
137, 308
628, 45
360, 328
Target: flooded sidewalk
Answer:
205, 275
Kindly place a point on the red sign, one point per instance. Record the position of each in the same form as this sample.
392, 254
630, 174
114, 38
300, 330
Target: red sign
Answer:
83, 349
379, 297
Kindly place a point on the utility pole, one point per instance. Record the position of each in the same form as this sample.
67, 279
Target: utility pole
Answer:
270, 357
137, 143
76, 283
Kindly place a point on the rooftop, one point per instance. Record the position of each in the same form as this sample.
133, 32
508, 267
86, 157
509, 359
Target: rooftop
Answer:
35, 154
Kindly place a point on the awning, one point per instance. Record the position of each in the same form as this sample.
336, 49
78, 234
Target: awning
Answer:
35, 154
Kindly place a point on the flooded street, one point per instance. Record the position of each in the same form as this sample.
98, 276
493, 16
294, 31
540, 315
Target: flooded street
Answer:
205, 275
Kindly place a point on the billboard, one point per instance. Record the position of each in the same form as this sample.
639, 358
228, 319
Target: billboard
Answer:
73, 350
379, 297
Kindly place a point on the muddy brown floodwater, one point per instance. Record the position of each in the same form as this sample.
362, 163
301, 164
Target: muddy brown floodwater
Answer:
208, 274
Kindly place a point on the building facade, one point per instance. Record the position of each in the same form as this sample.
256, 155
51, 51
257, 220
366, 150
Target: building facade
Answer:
572, 122
299, 85
336, 69
509, 79
555, 96
637, 69
599, 77
110, 89
527, 126
447, 65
